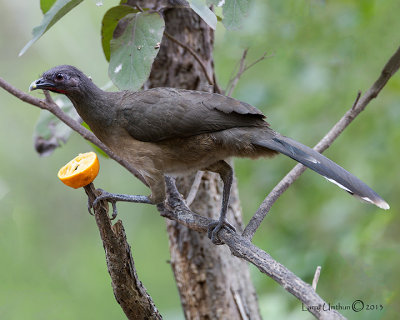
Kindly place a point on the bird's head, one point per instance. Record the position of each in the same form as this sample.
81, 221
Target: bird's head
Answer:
61, 79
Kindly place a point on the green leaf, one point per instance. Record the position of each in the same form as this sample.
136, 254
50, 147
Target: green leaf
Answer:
45, 5
202, 9
134, 47
50, 132
110, 21
55, 13
234, 11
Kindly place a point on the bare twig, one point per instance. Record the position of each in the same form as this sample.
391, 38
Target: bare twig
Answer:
194, 188
239, 304
49, 105
217, 88
264, 56
138, 7
360, 104
175, 209
316, 278
194, 54
232, 83
128, 289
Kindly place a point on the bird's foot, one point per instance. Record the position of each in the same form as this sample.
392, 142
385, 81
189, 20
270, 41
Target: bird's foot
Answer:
215, 227
107, 196
113, 198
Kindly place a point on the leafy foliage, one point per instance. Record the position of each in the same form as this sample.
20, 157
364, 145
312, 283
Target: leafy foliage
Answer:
202, 9
234, 12
109, 23
45, 5
133, 49
131, 39
52, 13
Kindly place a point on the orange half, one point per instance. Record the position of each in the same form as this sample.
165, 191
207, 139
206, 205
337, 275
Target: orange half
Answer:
80, 171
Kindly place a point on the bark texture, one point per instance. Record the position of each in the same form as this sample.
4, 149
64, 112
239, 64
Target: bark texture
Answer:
128, 289
212, 283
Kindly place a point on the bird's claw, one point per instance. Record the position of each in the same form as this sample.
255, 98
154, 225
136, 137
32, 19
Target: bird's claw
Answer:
106, 196
90, 206
215, 227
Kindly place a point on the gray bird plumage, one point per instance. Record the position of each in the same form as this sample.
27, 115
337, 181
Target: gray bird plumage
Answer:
173, 131
166, 113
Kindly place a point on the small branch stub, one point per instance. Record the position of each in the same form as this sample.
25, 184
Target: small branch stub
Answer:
316, 278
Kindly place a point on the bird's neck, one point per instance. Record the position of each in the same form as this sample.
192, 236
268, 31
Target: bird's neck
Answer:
95, 107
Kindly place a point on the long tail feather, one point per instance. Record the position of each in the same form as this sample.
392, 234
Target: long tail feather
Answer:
325, 167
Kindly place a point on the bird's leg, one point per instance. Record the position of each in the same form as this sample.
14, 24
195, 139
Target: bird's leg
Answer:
226, 173
156, 183
114, 197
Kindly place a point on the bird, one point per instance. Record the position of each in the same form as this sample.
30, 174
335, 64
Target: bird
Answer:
170, 132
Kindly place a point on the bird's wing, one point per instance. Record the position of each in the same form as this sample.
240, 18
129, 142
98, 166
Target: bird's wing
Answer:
164, 113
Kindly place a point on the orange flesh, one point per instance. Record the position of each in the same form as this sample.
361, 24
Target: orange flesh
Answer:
80, 171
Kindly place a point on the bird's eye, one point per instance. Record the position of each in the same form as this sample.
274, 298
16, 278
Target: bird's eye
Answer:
59, 77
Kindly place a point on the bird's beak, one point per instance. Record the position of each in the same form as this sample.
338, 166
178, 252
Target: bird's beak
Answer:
41, 84
33, 86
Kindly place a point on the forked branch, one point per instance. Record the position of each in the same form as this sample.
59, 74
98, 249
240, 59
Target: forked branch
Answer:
242, 68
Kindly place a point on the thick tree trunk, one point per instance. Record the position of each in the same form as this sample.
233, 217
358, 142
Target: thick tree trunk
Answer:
212, 283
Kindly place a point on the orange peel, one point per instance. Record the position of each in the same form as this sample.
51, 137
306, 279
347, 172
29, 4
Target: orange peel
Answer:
80, 171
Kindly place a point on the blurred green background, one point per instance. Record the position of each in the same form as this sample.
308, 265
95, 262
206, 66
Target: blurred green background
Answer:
52, 261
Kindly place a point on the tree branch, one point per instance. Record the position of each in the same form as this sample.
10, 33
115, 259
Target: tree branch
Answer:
128, 289
49, 105
176, 209
360, 104
232, 83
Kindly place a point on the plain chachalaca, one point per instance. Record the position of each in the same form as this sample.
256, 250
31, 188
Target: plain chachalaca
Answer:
167, 131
